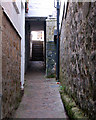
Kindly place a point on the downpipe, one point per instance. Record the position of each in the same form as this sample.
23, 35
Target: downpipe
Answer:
57, 49
0, 106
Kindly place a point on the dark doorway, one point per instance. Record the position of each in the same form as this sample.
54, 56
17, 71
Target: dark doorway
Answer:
35, 47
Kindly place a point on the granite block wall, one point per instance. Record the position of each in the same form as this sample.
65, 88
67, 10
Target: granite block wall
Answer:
78, 55
11, 67
50, 47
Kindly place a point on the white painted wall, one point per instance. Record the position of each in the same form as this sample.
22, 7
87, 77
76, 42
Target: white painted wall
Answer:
41, 8
22, 44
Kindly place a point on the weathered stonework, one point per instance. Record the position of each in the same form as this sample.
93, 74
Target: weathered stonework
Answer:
11, 67
50, 47
0, 59
78, 55
51, 58
0, 50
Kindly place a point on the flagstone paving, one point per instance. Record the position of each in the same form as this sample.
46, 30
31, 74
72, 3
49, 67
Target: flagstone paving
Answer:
41, 96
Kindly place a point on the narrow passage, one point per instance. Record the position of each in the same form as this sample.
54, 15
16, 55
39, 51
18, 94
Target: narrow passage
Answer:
41, 96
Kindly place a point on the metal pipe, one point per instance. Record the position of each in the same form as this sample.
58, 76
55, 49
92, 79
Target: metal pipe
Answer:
57, 49
0, 105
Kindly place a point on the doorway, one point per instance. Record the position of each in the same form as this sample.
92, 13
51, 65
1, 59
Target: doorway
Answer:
35, 41
37, 46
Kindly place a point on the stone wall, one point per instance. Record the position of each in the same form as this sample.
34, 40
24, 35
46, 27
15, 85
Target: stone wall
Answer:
0, 58
11, 67
78, 55
50, 47
0, 50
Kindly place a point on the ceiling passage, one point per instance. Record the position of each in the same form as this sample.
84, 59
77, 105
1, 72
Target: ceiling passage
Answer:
36, 23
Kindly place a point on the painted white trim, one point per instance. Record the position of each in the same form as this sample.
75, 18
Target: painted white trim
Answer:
22, 46
62, 2
66, 2
63, 7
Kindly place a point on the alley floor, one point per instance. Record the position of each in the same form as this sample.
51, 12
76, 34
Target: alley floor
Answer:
41, 96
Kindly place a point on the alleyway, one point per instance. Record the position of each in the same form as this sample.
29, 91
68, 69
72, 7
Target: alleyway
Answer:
41, 97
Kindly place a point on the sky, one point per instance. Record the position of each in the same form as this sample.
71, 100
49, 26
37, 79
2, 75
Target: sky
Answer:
41, 8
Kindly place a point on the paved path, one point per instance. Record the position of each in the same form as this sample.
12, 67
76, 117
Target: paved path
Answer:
41, 97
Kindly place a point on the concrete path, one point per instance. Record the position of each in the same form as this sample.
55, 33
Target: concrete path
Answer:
41, 96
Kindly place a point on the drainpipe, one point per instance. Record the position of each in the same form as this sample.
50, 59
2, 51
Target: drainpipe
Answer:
0, 106
57, 49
